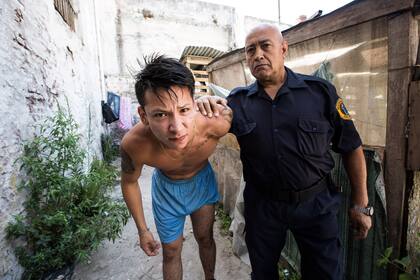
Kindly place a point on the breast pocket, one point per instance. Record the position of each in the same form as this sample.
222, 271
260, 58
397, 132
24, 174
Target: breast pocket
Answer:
313, 137
244, 132
243, 128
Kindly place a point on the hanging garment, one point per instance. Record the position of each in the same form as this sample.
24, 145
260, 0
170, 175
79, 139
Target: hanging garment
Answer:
108, 114
113, 101
125, 113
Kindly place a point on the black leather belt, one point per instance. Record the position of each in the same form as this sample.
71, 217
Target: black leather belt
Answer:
292, 196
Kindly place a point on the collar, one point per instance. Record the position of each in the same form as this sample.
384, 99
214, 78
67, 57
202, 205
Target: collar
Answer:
253, 89
293, 80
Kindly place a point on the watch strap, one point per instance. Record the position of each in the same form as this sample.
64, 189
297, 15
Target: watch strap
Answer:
368, 210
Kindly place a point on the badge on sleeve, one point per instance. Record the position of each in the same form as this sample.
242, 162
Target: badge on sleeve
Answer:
342, 110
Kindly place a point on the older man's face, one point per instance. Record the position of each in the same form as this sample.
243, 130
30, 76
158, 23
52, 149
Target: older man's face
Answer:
265, 50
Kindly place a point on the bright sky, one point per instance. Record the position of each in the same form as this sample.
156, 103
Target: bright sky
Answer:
290, 10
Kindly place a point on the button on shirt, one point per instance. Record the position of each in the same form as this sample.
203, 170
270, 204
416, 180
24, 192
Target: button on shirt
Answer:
285, 142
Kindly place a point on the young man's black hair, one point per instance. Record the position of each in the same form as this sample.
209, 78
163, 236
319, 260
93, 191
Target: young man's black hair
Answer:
162, 72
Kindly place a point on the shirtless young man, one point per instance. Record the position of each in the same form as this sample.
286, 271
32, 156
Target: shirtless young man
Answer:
177, 141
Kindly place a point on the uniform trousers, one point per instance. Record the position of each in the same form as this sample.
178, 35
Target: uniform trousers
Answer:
313, 223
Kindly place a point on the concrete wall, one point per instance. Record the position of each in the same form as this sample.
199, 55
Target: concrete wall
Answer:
230, 71
227, 165
131, 29
41, 60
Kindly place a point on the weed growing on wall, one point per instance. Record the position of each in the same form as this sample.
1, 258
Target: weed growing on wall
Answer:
224, 219
68, 210
409, 270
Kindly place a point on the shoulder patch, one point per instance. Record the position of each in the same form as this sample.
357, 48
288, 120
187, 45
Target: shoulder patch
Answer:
342, 110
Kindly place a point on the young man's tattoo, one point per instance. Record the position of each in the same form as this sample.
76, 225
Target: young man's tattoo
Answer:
127, 165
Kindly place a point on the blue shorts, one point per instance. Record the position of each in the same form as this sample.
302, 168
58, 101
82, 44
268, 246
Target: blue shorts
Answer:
173, 200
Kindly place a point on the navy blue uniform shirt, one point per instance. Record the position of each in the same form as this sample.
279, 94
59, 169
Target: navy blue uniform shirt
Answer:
285, 142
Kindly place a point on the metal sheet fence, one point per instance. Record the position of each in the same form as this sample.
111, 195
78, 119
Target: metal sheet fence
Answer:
359, 257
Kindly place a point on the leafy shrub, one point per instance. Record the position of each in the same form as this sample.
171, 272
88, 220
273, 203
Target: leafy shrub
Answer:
287, 271
409, 270
68, 210
110, 151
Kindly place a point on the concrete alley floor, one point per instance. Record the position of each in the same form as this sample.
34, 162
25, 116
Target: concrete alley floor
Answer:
124, 259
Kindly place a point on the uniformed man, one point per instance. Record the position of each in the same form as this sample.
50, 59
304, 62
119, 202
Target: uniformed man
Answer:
285, 123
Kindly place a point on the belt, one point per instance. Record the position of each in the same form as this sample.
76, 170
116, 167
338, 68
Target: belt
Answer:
292, 196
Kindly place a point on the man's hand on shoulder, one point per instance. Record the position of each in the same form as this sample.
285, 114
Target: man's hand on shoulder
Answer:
208, 105
219, 125
225, 112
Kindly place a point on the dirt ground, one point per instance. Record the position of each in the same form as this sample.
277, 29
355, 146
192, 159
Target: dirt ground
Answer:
124, 260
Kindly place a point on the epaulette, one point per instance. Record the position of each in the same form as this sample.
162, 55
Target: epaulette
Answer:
329, 87
315, 79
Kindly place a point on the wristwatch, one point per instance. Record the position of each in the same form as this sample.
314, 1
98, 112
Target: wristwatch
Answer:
368, 211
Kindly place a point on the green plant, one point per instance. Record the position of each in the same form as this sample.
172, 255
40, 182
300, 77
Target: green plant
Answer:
404, 264
109, 150
68, 210
286, 271
224, 219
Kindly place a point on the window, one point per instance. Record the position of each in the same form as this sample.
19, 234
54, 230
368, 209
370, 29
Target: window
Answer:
65, 9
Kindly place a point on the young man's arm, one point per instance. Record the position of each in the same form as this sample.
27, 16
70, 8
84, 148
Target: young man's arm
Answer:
220, 125
132, 196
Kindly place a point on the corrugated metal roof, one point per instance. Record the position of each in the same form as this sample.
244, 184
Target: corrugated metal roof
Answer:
227, 54
201, 51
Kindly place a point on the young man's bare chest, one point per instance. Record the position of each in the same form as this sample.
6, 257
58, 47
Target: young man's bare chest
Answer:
183, 164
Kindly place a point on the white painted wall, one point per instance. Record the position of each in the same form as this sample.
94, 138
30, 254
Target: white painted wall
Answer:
41, 60
131, 29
